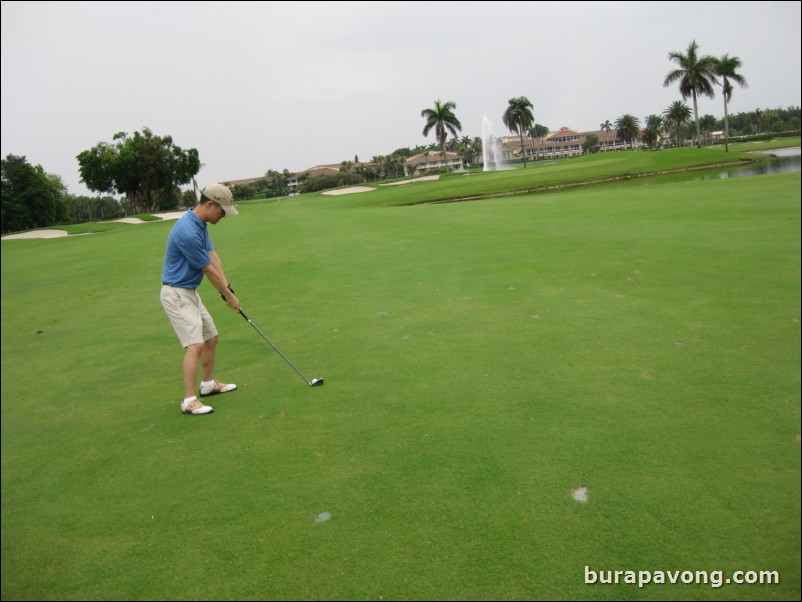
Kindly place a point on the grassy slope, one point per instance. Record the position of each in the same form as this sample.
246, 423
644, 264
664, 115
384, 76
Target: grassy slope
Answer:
481, 360
545, 175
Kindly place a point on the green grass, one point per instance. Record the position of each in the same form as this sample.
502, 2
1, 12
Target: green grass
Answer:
765, 145
481, 360
540, 176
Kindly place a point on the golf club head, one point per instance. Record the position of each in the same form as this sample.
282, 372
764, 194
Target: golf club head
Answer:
315, 382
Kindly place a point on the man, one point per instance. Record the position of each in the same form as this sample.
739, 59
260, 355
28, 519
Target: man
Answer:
188, 257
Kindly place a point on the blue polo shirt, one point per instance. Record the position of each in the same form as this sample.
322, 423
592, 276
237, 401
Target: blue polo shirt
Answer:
187, 252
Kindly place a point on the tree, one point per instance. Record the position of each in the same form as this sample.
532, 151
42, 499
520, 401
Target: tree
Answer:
363, 171
147, 169
677, 115
770, 117
541, 131
467, 154
727, 68
442, 120
188, 198
538, 132
707, 123
627, 128
87, 209
653, 131
606, 127
278, 181
654, 122
29, 197
591, 144
696, 76
758, 120
518, 119
650, 136
396, 164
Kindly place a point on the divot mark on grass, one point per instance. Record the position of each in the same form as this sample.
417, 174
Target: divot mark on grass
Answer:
580, 494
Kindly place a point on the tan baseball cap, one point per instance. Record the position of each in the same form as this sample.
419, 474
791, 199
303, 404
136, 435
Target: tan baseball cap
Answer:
221, 195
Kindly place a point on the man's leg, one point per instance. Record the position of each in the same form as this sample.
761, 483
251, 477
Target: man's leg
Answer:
207, 358
209, 386
192, 360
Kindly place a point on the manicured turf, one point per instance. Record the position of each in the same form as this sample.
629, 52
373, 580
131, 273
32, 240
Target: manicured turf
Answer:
482, 360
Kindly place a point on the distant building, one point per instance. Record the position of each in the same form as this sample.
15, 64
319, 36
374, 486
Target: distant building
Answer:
295, 180
566, 142
419, 164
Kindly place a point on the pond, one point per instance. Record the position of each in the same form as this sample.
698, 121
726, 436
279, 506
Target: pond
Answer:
785, 160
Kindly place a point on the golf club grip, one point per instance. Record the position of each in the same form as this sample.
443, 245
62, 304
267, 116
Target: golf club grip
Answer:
223, 297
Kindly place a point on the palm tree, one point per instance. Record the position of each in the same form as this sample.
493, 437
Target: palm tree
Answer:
696, 76
770, 117
628, 128
442, 119
538, 132
727, 67
758, 119
518, 119
606, 127
677, 115
708, 123
654, 121
654, 128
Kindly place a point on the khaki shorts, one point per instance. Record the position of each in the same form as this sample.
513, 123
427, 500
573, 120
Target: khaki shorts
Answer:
191, 320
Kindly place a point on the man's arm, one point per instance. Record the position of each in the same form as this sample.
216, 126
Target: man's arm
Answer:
214, 272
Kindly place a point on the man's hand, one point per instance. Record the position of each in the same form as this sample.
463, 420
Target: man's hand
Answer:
228, 286
231, 299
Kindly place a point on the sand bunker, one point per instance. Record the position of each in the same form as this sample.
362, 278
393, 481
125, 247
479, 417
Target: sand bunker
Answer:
60, 233
171, 215
351, 190
354, 189
37, 234
421, 179
129, 220
136, 220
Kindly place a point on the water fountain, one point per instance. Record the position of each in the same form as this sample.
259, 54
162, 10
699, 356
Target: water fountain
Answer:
492, 157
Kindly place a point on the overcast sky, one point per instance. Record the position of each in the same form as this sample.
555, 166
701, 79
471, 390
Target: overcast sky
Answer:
273, 85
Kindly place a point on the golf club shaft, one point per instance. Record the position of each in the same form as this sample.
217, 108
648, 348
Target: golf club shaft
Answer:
264, 336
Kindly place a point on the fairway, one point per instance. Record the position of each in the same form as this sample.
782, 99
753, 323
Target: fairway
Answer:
483, 360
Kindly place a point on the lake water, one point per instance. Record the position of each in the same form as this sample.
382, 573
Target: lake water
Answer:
786, 160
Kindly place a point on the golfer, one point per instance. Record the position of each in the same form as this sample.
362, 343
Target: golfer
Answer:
188, 257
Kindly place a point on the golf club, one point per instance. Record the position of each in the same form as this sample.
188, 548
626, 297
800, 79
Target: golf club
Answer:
315, 382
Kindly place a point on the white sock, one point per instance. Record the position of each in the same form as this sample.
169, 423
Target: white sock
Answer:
188, 399
207, 383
